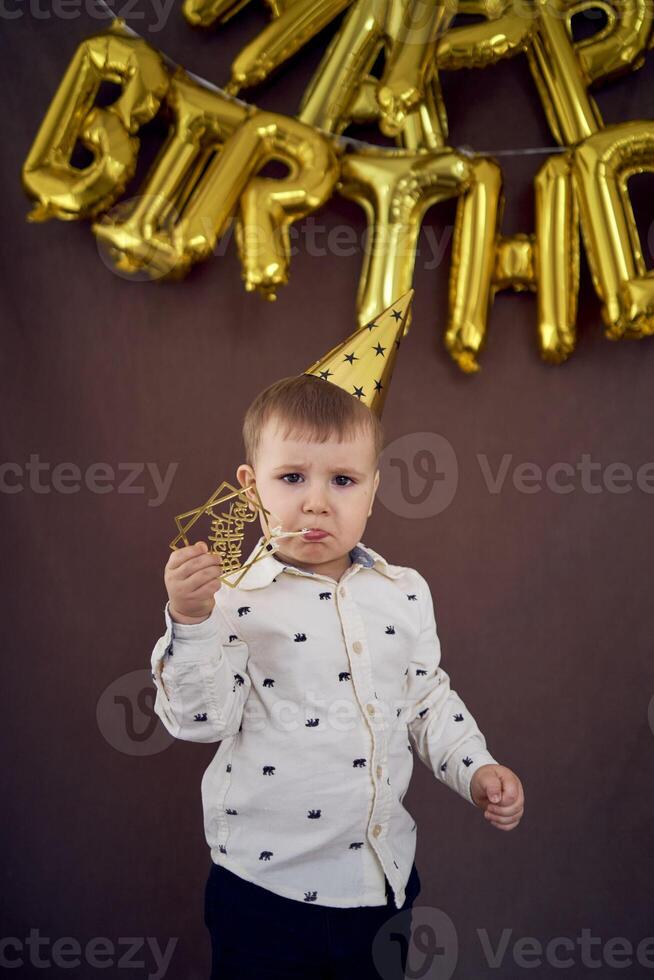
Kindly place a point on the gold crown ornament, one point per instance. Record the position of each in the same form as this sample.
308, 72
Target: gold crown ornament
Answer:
363, 366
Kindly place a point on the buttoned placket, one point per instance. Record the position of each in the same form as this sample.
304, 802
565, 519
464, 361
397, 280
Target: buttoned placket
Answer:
361, 674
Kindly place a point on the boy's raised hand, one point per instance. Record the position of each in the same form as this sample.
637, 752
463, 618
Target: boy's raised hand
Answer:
192, 576
498, 791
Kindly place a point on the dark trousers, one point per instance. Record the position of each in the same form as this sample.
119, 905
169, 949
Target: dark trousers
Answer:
258, 935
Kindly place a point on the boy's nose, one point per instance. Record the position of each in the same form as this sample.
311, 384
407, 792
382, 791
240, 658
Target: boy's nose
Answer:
315, 504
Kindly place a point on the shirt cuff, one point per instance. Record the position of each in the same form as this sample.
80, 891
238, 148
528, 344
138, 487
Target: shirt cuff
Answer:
199, 631
481, 757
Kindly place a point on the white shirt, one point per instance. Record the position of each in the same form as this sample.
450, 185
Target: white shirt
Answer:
318, 692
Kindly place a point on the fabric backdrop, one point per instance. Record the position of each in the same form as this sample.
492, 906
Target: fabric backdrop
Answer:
542, 597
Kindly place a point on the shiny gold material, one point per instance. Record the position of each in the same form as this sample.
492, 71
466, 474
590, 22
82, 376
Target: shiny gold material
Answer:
194, 191
602, 164
144, 236
228, 528
205, 13
65, 191
207, 174
363, 364
395, 188
292, 28
406, 31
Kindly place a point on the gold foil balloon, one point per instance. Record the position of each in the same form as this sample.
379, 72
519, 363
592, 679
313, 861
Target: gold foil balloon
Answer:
62, 190
205, 13
205, 172
603, 163
269, 206
145, 236
395, 188
292, 28
406, 30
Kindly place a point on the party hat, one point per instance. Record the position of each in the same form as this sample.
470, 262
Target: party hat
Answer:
363, 364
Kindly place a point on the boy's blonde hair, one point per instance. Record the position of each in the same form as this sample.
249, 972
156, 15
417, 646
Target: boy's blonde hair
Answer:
305, 402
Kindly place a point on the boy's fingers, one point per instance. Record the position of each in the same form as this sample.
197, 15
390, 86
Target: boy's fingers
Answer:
180, 555
493, 789
504, 811
199, 579
194, 565
501, 821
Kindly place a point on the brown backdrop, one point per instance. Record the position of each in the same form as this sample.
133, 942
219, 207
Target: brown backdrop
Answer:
542, 598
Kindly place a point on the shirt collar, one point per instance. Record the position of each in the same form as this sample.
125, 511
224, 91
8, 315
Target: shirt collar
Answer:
263, 571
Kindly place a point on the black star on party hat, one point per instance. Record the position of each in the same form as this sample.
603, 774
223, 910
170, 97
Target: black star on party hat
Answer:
363, 364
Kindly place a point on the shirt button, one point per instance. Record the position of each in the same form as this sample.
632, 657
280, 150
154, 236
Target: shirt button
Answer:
377, 830
379, 772
370, 708
357, 646
341, 592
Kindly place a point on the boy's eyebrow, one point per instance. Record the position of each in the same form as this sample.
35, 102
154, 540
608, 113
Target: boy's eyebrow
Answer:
302, 466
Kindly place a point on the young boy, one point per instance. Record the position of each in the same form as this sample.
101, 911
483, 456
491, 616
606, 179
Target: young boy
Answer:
319, 674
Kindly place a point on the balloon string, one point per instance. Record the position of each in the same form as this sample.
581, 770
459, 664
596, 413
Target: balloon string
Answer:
467, 151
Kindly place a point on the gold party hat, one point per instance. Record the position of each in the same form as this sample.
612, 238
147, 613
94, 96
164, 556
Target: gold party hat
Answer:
363, 364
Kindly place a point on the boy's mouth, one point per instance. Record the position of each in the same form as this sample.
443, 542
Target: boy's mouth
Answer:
314, 534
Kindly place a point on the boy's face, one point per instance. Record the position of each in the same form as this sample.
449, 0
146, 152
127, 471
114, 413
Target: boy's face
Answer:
329, 486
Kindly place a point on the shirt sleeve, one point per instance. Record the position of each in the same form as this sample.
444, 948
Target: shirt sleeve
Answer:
201, 680
441, 728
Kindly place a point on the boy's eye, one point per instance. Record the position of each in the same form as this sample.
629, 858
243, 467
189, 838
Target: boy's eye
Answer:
341, 476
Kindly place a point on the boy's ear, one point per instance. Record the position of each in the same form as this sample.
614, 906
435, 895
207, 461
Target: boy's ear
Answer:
374, 491
246, 477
